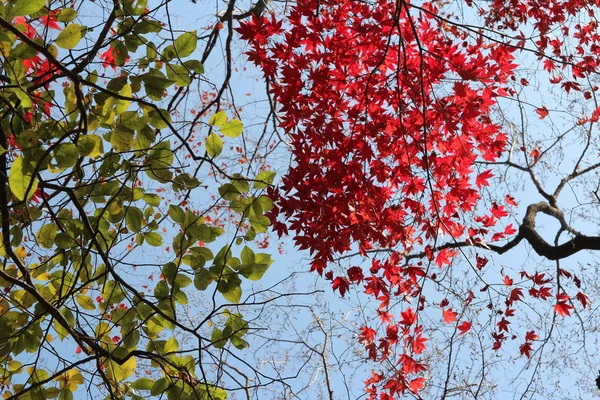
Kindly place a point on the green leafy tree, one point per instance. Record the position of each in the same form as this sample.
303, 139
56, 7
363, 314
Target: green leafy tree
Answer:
114, 207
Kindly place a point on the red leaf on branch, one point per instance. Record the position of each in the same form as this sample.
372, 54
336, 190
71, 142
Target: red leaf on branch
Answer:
480, 262
408, 317
503, 325
509, 230
449, 315
511, 200
417, 384
583, 299
464, 327
498, 211
516, 295
340, 284
418, 344
530, 336
563, 309
443, 257
482, 179
542, 112
526, 349
548, 65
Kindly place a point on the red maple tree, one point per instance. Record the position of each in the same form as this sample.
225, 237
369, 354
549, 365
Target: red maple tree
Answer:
390, 107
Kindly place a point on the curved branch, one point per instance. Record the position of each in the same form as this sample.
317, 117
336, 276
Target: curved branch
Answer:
528, 232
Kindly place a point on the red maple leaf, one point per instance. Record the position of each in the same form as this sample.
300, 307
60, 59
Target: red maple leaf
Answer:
464, 327
583, 299
443, 257
449, 315
482, 179
511, 200
498, 211
367, 335
341, 284
515, 295
418, 344
509, 230
535, 154
549, 65
526, 349
542, 112
530, 336
417, 384
503, 325
562, 308
408, 317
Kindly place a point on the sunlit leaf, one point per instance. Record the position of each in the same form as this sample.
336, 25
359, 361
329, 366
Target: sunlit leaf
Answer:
70, 36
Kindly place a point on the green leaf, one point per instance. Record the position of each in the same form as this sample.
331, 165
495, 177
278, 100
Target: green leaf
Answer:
159, 119
121, 138
228, 191
160, 386
214, 145
264, 179
218, 119
143, 384
118, 373
202, 279
230, 286
232, 128
46, 234
247, 256
177, 214
69, 37
195, 66
20, 178
66, 15
85, 302
151, 199
66, 155
133, 219
186, 44
65, 394
153, 239
156, 82
179, 74
182, 281
260, 223
27, 7
171, 346
64, 241
257, 269
239, 343
123, 105
90, 146
217, 339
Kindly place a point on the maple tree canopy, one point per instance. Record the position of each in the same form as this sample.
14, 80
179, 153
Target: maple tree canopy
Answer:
392, 110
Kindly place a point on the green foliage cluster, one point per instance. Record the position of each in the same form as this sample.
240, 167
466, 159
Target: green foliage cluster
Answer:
96, 174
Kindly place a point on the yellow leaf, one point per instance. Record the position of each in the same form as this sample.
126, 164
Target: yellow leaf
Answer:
21, 252
2, 249
123, 105
20, 180
218, 119
118, 373
69, 37
85, 302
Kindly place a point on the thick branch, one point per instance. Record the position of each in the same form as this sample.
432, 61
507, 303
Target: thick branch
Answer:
528, 232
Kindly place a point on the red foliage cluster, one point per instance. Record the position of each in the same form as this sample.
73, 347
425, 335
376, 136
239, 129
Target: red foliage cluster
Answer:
388, 106
382, 159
